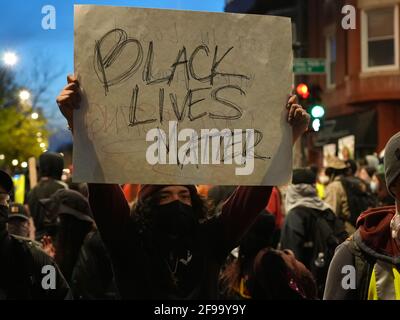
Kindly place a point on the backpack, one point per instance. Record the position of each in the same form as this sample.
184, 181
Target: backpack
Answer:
358, 198
325, 231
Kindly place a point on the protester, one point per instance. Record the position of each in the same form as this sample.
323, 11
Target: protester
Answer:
373, 251
50, 169
74, 222
22, 261
311, 229
335, 194
277, 275
235, 276
18, 221
358, 193
378, 186
169, 249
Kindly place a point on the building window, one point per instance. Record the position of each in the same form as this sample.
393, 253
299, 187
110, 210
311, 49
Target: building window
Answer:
331, 60
380, 39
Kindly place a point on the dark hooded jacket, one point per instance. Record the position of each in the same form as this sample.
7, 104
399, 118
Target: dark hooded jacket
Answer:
139, 270
371, 243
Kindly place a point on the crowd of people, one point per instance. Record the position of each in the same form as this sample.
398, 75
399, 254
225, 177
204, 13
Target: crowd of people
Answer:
293, 242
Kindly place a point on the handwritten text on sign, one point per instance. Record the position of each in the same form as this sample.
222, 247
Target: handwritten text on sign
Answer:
181, 97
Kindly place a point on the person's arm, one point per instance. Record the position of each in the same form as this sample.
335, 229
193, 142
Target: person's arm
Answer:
240, 211
111, 212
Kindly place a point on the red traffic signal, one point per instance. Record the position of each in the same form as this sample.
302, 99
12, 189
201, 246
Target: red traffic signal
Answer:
303, 91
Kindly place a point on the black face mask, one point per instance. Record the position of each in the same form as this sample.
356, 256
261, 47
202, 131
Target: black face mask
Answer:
175, 223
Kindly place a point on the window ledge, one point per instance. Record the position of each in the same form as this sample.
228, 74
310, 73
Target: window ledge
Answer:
378, 73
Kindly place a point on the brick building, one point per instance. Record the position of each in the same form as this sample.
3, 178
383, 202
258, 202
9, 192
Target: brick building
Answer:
361, 87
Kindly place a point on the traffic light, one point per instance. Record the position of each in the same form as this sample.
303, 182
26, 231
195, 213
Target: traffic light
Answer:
316, 108
317, 114
303, 91
310, 98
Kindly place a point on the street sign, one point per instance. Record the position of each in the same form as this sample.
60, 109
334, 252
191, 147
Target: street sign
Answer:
306, 66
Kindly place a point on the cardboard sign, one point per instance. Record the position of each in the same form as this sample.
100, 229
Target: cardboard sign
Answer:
178, 97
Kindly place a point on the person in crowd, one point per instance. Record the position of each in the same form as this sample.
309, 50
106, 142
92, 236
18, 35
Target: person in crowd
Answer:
169, 248
80, 187
50, 169
358, 192
335, 194
278, 275
378, 186
240, 263
22, 261
74, 221
311, 230
366, 173
18, 221
366, 266
322, 182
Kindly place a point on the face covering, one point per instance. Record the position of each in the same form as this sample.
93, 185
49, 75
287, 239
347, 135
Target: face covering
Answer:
374, 187
175, 224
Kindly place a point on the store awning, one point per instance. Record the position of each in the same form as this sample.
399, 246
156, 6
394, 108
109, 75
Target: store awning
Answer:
362, 125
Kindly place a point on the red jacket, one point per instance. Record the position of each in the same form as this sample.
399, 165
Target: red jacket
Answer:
275, 207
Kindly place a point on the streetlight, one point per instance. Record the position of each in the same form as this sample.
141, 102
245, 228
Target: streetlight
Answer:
14, 162
35, 115
10, 59
24, 164
42, 145
24, 95
2, 156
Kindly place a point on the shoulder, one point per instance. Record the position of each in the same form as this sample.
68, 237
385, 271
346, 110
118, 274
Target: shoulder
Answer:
34, 248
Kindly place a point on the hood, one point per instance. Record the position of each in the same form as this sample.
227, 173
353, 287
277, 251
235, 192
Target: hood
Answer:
374, 235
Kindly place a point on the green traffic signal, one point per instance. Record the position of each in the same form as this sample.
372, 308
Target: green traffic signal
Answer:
317, 112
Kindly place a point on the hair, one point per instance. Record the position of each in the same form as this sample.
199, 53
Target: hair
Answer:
258, 237
51, 164
273, 279
335, 172
69, 239
352, 166
18, 227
